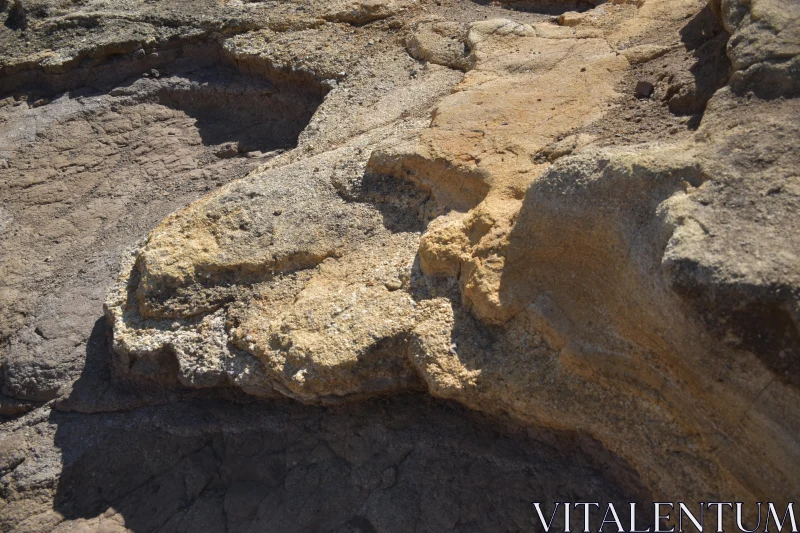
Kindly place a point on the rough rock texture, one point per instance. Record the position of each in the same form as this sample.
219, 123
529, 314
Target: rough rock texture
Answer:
440, 42
364, 11
464, 201
383, 465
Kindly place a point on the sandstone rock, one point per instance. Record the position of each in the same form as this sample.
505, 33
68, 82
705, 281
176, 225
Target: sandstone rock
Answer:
364, 11
550, 31
764, 45
493, 220
644, 53
571, 18
517, 265
497, 29
585, 293
5, 219
442, 43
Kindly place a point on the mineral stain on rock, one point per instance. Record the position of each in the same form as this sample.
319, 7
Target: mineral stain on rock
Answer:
384, 265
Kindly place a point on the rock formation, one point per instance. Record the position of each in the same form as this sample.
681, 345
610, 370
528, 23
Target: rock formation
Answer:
439, 199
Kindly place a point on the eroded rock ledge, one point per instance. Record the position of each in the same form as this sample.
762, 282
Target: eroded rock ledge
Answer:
509, 253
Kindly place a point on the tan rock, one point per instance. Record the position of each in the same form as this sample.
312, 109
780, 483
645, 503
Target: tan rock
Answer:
623, 292
644, 53
571, 18
551, 31
440, 42
364, 11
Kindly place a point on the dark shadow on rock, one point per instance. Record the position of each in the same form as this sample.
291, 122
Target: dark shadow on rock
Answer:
17, 18
544, 7
100, 388
757, 318
263, 109
246, 110
401, 203
389, 464
706, 39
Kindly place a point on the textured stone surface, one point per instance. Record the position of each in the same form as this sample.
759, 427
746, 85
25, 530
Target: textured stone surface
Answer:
599, 259
364, 11
380, 465
440, 42
461, 200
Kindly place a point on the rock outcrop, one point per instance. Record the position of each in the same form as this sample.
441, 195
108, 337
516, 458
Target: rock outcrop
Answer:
603, 288
479, 208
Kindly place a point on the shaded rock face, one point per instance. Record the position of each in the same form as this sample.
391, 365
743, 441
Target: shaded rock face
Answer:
549, 7
470, 203
374, 466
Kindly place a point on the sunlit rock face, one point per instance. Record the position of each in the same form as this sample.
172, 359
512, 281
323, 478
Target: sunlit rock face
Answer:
580, 219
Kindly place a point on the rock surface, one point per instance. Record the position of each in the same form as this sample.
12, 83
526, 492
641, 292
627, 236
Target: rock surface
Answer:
440, 198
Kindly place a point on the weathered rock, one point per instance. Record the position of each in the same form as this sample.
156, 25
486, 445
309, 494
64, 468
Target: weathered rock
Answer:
764, 46
364, 11
644, 53
583, 266
524, 238
440, 42
571, 18
17, 16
